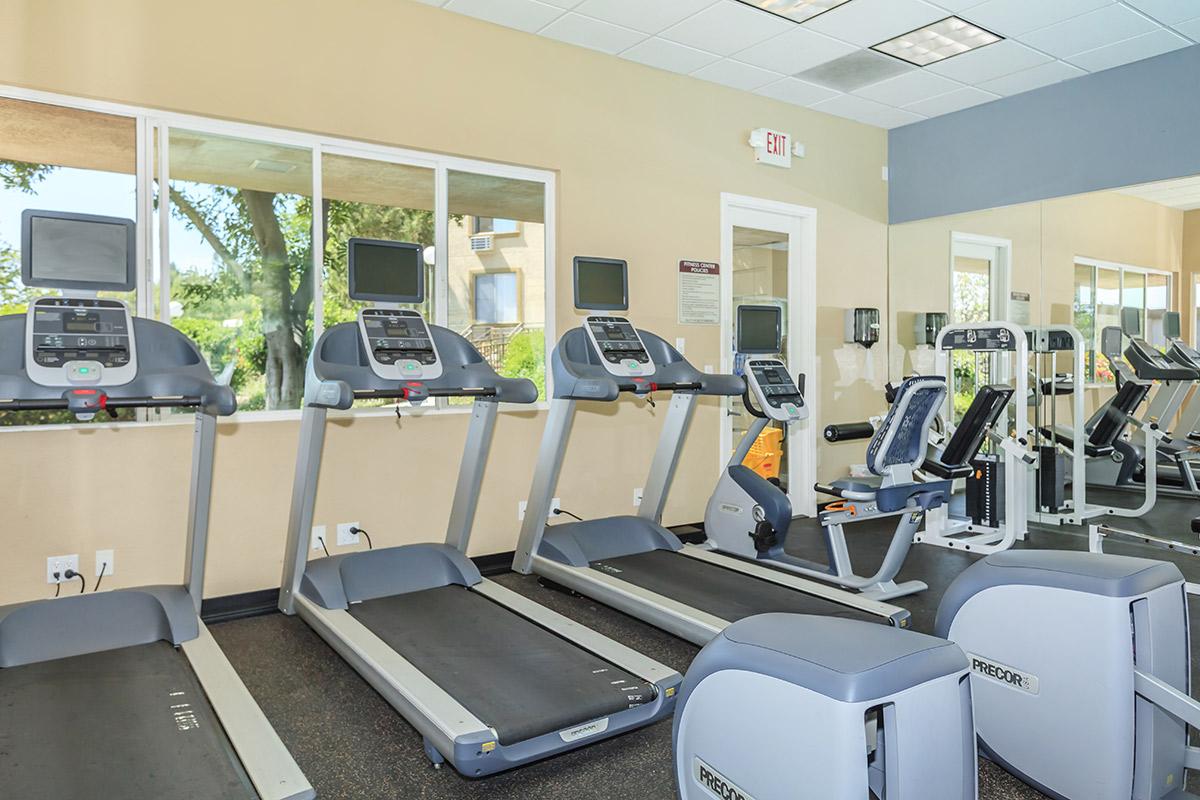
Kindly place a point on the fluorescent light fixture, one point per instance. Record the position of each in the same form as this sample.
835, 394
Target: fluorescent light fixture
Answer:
796, 10
937, 42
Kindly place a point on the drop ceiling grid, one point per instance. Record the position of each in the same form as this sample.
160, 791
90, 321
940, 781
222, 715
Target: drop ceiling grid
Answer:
731, 43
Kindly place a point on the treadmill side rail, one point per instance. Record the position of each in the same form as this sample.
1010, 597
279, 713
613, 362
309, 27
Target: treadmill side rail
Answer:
608, 649
896, 615
266, 760
681, 619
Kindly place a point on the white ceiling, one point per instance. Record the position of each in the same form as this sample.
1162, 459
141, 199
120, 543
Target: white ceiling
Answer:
1182, 193
729, 42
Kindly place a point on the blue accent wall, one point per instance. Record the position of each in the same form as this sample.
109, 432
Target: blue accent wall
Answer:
1127, 125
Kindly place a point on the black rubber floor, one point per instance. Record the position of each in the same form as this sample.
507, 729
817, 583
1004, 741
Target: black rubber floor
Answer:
129, 723
722, 592
352, 745
513, 675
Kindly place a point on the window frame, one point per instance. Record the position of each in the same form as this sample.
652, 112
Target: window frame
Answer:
153, 127
1096, 264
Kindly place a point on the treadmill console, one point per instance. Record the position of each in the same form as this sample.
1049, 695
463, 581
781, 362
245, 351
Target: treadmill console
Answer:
773, 389
399, 344
619, 345
74, 341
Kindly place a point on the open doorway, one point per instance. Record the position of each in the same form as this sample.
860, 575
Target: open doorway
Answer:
768, 255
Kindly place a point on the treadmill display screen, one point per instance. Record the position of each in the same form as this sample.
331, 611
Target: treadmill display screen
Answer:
71, 329
776, 384
396, 335
617, 339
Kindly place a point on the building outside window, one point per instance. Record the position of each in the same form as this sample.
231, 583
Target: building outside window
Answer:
1102, 289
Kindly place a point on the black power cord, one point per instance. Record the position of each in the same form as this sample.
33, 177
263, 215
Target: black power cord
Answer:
57, 583
72, 575
100, 577
568, 513
321, 539
355, 530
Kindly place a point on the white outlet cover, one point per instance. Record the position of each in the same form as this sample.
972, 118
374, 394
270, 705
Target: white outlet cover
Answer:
521, 506
555, 504
344, 536
637, 496
60, 564
318, 533
681, 345
105, 560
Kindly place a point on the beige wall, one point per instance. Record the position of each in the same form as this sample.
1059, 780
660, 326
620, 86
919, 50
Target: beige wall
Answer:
1191, 270
642, 157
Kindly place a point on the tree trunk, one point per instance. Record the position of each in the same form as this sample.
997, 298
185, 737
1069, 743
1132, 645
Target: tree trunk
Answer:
282, 331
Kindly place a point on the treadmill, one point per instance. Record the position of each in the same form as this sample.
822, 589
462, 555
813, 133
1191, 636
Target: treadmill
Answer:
633, 563
490, 679
123, 693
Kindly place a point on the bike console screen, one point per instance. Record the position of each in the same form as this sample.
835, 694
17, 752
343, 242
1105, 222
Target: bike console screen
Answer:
776, 392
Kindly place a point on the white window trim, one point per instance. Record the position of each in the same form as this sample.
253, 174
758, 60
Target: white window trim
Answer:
1121, 269
149, 120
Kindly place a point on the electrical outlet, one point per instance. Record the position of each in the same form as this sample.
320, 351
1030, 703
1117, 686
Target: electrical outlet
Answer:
555, 504
60, 564
344, 536
637, 496
105, 563
681, 345
318, 533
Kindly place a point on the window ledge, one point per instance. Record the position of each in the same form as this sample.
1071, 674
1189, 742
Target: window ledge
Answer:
288, 415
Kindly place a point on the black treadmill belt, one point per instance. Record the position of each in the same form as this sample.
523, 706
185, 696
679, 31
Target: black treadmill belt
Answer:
131, 723
719, 591
513, 675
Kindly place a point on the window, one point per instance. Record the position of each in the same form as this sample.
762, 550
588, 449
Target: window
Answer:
493, 225
241, 261
244, 232
59, 159
1102, 289
496, 298
972, 290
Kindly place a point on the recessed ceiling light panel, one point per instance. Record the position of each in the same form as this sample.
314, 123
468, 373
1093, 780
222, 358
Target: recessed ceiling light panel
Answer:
937, 42
796, 10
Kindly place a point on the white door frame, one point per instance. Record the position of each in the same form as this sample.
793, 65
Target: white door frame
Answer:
799, 223
999, 253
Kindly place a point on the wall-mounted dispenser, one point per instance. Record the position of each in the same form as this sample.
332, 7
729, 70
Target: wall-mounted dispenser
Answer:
862, 326
927, 325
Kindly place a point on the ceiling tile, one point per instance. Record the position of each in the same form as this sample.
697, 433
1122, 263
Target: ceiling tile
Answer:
1028, 79
1168, 12
1018, 17
956, 6
1145, 46
989, 62
868, 22
527, 15
795, 51
860, 68
667, 55
641, 15
1094, 29
908, 88
736, 74
952, 101
867, 111
726, 28
586, 32
1191, 29
793, 90
563, 3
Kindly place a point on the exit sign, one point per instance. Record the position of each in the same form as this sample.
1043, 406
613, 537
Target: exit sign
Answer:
772, 147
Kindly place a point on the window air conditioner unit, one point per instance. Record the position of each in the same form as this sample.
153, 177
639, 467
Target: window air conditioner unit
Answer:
481, 243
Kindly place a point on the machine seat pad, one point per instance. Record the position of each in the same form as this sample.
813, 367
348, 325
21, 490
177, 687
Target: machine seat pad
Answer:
1066, 437
842, 659
1094, 573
